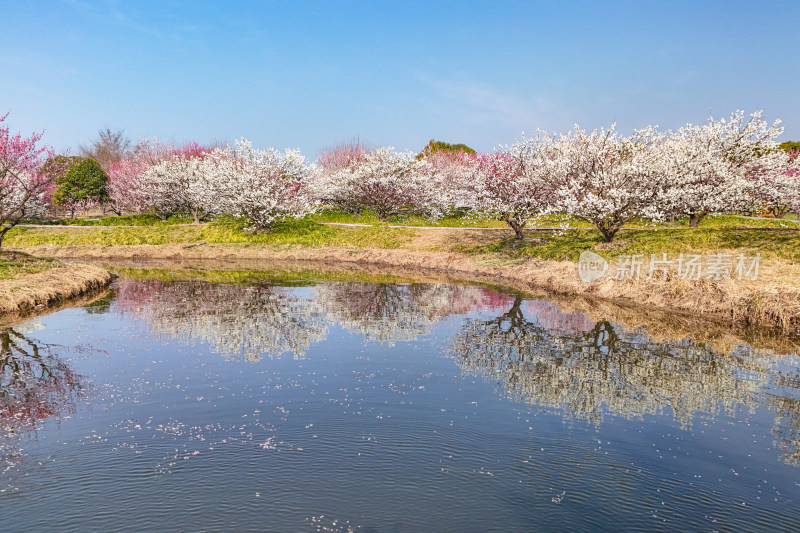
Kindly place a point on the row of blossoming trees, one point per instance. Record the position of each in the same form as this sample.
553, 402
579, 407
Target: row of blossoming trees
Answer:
723, 166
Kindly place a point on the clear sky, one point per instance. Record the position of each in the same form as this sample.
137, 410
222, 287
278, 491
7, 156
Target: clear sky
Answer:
312, 74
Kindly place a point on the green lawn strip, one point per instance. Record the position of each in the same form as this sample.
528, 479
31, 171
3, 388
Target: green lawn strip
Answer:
273, 276
561, 245
732, 221
457, 220
466, 220
301, 232
568, 245
124, 220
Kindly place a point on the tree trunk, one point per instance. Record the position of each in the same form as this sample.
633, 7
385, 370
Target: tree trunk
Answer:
779, 212
517, 227
608, 233
695, 218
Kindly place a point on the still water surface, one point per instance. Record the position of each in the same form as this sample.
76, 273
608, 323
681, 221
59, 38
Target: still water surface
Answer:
348, 406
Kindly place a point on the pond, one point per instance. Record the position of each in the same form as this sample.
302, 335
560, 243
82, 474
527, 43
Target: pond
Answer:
353, 406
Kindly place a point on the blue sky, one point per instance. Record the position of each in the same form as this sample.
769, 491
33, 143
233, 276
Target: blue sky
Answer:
314, 74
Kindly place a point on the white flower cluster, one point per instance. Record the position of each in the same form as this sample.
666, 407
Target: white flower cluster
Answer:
382, 180
722, 166
260, 185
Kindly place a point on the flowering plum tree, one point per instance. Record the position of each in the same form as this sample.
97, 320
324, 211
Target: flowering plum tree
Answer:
343, 156
26, 177
180, 176
774, 180
124, 187
381, 180
706, 164
515, 184
260, 185
130, 186
162, 186
451, 178
608, 180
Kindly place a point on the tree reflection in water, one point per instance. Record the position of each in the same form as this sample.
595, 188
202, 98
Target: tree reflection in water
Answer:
540, 354
390, 312
583, 368
238, 321
249, 321
35, 385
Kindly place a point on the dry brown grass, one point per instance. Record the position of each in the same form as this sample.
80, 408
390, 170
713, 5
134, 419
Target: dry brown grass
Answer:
773, 300
446, 239
33, 292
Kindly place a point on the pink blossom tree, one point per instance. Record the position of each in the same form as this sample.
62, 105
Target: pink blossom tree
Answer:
125, 185
134, 187
515, 184
26, 177
774, 182
346, 155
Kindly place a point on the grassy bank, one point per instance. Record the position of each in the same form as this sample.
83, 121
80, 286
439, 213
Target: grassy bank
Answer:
29, 283
544, 261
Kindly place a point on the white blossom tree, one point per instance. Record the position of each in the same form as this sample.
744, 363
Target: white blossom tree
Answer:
180, 181
385, 181
608, 180
260, 185
706, 164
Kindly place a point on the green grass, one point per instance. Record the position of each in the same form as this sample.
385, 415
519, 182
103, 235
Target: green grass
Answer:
15, 264
732, 221
568, 245
124, 220
459, 220
770, 237
301, 232
272, 276
466, 220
